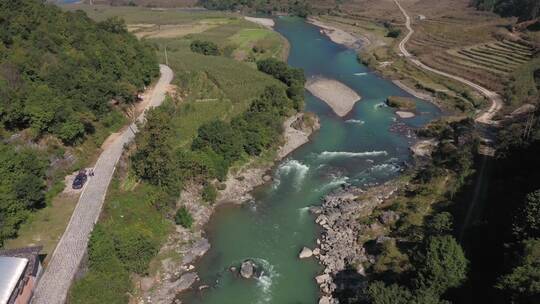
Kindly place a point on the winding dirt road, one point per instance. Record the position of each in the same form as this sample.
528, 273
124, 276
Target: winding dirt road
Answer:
485, 117
54, 284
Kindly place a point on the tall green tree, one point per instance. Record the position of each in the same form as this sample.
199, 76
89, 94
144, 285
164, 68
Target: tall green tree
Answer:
527, 221
522, 284
21, 187
153, 160
442, 266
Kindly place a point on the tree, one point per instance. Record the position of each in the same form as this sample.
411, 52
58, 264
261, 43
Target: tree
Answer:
443, 265
522, 284
441, 223
527, 221
153, 160
220, 137
379, 293
58, 66
22, 187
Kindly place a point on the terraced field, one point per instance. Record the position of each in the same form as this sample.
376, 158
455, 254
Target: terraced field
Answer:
499, 57
489, 63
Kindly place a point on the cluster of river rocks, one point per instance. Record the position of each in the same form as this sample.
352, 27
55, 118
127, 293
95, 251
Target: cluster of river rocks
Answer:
338, 248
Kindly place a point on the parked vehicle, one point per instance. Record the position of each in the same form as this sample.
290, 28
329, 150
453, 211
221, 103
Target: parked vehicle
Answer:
80, 179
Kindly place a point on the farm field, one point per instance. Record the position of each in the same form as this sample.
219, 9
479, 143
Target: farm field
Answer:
455, 38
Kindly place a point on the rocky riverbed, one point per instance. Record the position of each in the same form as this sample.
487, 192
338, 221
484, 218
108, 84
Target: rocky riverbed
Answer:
339, 249
177, 270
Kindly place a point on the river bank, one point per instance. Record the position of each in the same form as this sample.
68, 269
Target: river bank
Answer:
340, 36
340, 250
343, 37
177, 270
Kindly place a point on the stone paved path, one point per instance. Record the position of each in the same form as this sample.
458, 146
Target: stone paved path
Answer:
54, 284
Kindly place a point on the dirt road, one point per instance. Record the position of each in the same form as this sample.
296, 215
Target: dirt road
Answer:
485, 117
54, 284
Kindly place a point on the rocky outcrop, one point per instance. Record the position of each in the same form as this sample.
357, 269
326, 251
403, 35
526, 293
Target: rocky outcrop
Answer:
176, 275
247, 269
424, 148
339, 249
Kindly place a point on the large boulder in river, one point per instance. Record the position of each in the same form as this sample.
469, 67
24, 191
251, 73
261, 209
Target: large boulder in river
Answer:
305, 253
247, 269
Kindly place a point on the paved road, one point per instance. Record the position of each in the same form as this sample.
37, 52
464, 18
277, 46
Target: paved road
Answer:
54, 284
495, 99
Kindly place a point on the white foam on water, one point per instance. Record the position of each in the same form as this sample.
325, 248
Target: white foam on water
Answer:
335, 182
276, 183
303, 210
293, 167
336, 154
385, 168
266, 279
355, 121
380, 105
360, 74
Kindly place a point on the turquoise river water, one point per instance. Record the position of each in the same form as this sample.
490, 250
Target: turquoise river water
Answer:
358, 149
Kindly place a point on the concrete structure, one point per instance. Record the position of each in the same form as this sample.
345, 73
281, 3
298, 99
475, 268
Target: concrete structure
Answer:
19, 272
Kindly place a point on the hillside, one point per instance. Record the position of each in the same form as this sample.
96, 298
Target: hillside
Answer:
65, 82
523, 9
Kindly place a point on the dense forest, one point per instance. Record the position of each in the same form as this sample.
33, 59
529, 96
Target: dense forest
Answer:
523, 9
300, 8
503, 242
62, 76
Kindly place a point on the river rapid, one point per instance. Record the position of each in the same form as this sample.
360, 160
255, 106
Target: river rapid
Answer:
362, 149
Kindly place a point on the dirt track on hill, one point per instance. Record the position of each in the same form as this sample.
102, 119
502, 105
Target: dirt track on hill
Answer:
486, 117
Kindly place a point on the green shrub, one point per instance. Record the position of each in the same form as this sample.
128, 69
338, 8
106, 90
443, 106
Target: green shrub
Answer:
207, 48
135, 247
441, 223
97, 287
209, 193
394, 33
183, 217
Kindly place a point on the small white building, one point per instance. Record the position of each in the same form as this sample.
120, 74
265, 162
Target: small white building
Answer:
19, 272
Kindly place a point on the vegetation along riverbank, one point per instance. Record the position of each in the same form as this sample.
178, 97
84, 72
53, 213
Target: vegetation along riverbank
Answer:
458, 223
215, 137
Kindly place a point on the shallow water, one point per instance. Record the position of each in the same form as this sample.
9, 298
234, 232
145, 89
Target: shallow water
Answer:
358, 149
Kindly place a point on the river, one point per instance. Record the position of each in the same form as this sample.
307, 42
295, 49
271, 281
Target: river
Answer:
358, 149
